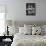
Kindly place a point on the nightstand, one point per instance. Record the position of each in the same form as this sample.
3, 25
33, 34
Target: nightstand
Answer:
4, 40
7, 43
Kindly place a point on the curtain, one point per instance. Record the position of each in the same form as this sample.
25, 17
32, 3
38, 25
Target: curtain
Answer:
2, 19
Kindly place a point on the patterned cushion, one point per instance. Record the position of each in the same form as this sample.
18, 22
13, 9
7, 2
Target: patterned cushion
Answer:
36, 30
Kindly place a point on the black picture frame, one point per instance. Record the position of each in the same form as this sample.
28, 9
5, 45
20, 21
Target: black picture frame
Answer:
30, 9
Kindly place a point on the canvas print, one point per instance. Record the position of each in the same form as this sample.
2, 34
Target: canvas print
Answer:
30, 9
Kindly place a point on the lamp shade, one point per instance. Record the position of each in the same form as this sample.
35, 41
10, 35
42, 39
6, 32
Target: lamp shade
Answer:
9, 22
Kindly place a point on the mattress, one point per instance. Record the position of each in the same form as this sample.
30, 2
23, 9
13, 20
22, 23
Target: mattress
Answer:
28, 40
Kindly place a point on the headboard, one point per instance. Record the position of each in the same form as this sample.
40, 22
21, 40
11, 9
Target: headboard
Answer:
21, 23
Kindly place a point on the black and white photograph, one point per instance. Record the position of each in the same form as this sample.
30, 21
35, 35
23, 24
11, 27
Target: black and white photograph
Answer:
30, 9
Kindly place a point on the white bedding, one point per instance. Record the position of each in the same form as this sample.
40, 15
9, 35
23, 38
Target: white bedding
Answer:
29, 40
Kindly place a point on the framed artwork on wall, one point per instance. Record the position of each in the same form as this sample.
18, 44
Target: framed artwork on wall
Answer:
30, 9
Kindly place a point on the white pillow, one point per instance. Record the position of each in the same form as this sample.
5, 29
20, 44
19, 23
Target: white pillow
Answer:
36, 30
42, 30
28, 26
23, 30
13, 30
44, 27
28, 31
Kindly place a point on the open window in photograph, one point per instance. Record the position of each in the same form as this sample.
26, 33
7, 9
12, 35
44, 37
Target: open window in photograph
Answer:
30, 9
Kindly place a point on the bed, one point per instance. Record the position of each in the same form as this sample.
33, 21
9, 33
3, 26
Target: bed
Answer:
29, 40
21, 39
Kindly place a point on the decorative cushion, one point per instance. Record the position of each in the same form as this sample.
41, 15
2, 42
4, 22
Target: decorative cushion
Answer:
28, 31
44, 26
28, 26
44, 29
13, 30
36, 30
23, 30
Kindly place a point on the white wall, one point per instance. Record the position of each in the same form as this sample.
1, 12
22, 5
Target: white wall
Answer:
16, 10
